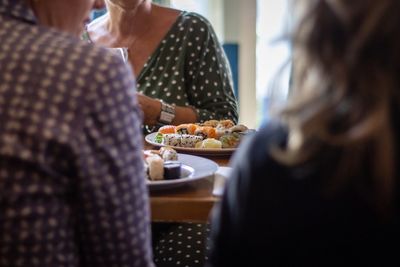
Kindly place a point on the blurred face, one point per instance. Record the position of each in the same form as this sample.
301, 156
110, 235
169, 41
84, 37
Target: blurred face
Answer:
65, 15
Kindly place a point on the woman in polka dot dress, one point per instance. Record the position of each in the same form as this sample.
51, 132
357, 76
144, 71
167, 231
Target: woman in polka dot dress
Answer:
178, 59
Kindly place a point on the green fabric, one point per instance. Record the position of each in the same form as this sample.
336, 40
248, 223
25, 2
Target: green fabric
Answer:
189, 68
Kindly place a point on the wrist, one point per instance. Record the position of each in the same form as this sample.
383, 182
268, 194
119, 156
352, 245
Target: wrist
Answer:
167, 113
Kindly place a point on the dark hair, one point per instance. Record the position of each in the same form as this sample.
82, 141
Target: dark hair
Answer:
346, 69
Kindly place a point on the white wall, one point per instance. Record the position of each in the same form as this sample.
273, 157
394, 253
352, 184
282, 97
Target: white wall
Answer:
240, 27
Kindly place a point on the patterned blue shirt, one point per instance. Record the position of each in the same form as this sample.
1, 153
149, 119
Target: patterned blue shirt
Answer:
72, 189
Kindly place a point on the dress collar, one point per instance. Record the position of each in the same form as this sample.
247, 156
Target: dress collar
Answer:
18, 9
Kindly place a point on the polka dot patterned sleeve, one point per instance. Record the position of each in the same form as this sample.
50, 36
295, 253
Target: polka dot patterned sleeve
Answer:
113, 202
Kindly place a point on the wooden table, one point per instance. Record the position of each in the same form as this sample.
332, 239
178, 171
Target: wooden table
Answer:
188, 203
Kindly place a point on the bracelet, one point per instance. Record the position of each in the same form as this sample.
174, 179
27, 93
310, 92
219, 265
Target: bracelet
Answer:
167, 114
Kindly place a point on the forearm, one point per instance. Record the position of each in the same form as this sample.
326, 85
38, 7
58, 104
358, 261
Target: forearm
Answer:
184, 115
152, 109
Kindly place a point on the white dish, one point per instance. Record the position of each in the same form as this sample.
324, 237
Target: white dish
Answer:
198, 151
193, 168
220, 178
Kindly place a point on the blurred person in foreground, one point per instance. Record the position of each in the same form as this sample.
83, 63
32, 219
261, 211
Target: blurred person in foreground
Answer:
182, 72
320, 185
72, 186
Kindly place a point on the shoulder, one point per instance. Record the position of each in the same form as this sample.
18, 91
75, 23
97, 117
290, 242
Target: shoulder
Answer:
83, 59
83, 66
195, 22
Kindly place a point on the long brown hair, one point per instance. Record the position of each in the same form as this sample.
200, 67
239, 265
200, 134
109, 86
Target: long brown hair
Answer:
345, 82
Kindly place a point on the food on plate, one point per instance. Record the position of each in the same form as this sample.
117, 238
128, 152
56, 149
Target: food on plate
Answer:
209, 143
167, 129
171, 139
162, 164
206, 132
155, 167
230, 140
216, 134
186, 128
238, 128
168, 153
188, 140
180, 140
225, 124
172, 170
212, 123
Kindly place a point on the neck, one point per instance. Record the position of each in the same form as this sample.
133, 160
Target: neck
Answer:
128, 20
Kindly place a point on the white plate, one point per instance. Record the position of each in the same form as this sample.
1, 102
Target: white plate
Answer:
193, 168
198, 151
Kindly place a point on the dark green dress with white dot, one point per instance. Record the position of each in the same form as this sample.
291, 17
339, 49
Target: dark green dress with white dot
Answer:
190, 68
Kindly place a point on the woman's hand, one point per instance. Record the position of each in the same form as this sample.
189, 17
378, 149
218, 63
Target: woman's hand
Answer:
151, 109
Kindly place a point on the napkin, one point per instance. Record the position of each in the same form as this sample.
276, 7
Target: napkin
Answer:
220, 177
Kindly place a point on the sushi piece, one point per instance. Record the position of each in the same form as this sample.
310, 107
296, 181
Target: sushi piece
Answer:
167, 129
238, 128
230, 140
168, 154
172, 170
225, 124
155, 167
188, 140
210, 143
171, 140
189, 128
206, 132
212, 123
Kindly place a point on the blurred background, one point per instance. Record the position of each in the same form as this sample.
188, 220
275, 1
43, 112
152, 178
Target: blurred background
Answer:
252, 33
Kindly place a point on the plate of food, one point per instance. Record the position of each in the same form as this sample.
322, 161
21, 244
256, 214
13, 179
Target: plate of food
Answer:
165, 168
209, 138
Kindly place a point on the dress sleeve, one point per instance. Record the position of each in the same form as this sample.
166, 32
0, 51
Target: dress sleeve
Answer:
113, 206
209, 78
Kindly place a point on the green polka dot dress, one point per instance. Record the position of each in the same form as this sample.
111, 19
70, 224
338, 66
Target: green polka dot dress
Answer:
189, 68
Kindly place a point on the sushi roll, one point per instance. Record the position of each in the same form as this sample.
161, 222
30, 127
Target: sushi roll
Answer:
238, 128
211, 123
168, 154
225, 124
155, 167
171, 140
188, 140
230, 140
167, 129
189, 128
172, 170
206, 132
